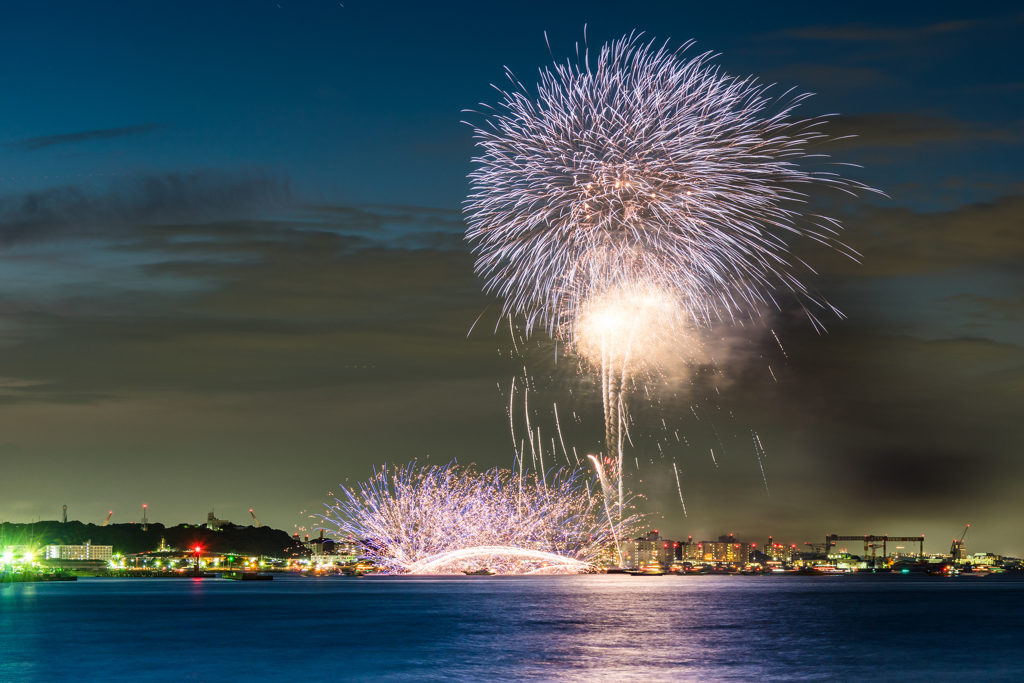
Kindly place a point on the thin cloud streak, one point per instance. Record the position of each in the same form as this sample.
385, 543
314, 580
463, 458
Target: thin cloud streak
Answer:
861, 32
144, 200
32, 144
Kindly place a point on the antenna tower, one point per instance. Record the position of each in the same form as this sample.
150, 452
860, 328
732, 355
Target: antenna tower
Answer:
145, 521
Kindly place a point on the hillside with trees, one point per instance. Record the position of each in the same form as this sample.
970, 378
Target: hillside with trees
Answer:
131, 538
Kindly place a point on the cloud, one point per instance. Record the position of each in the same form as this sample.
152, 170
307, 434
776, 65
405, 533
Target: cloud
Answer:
898, 241
32, 144
825, 75
987, 308
861, 32
906, 129
298, 302
913, 476
146, 199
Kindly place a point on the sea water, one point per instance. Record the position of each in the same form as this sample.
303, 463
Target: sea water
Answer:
493, 628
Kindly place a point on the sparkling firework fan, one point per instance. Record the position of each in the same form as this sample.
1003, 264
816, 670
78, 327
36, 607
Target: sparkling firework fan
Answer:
451, 519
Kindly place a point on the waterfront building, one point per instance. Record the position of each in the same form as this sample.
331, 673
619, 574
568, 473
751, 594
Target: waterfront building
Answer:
726, 550
649, 551
102, 553
688, 551
985, 559
779, 551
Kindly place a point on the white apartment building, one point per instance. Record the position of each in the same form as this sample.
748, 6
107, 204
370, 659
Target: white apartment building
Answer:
80, 552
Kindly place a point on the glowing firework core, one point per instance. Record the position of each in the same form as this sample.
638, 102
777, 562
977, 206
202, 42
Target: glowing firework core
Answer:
627, 326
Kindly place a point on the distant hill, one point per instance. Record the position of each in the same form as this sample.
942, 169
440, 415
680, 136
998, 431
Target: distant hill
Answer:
130, 538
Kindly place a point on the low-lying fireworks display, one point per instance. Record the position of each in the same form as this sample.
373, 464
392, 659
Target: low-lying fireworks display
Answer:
451, 519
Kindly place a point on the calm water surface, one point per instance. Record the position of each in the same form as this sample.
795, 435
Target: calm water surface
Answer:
571, 628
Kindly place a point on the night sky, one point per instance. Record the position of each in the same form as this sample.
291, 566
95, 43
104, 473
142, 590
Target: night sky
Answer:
232, 272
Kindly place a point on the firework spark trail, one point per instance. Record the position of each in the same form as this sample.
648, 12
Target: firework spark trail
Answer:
715, 429
680, 487
526, 401
629, 201
449, 519
758, 437
512, 332
511, 421
540, 454
780, 344
558, 425
760, 464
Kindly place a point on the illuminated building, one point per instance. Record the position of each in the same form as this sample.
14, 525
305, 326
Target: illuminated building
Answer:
650, 551
726, 550
688, 551
779, 551
80, 552
213, 523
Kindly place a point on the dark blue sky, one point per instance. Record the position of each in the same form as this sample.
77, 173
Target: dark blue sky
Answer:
362, 103
213, 215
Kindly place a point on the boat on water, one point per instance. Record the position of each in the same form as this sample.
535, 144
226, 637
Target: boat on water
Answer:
480, 572
648, 572
247, 576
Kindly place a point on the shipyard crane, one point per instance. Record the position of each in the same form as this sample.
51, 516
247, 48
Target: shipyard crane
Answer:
108, 518
258, 525
958, 550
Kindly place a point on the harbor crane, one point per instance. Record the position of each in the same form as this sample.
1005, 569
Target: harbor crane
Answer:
108, 518
958, 550
256, 521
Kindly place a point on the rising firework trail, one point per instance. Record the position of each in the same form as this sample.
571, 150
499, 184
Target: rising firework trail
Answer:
639, 196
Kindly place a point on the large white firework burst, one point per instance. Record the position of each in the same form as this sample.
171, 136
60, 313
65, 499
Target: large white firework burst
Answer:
448, 519
637, 197
646, 170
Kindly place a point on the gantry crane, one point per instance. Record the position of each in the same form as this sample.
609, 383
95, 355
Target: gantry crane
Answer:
258, 525
871, 543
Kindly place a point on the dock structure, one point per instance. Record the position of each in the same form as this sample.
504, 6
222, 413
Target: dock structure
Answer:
872, 543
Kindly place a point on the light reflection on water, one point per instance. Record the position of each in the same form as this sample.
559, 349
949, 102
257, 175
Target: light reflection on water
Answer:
580, 628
